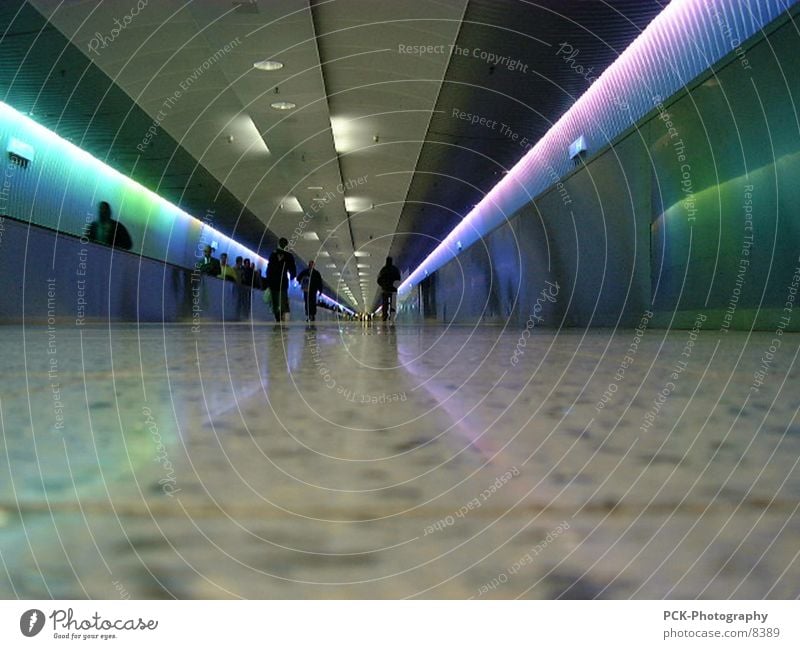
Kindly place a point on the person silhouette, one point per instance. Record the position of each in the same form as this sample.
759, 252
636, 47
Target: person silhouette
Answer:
388, 280
311, 283
107, 231
280, 270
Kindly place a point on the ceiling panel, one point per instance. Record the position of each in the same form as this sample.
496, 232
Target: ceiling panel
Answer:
381, 100
367, 105
45, 75
527, 92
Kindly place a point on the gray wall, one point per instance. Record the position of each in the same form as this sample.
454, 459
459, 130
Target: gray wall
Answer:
104, 285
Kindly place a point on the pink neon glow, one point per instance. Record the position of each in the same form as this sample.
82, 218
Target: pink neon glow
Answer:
667, 55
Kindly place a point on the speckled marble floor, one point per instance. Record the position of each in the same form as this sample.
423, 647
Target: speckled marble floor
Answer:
352, 461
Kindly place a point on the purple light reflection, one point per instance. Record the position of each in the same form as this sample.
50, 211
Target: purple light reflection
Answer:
679, 44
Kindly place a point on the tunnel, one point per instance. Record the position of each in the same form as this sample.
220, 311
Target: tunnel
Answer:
372, 300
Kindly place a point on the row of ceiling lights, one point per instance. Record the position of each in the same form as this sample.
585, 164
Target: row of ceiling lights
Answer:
272, 66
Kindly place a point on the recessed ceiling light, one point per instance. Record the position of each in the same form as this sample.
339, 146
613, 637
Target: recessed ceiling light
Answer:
310, 236
268, 66
346, 134
283, 105
356, 203
291, 204
361, 253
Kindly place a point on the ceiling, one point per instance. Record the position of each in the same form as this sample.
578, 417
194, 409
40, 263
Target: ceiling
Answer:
371, 159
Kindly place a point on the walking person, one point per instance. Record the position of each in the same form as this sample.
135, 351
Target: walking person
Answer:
280, 271
388, 280
311, 283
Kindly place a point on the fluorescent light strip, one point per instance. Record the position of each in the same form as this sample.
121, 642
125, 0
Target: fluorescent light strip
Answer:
331, 302
659, 62
159, 214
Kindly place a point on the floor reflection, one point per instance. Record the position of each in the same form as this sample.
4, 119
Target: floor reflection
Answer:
375, 460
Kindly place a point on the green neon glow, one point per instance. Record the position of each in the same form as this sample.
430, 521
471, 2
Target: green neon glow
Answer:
61, 189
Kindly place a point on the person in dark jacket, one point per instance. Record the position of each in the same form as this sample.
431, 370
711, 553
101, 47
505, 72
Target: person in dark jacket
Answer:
280, 271
246, 274
258, 280
311, 283
388, 280
209, 264
108, 231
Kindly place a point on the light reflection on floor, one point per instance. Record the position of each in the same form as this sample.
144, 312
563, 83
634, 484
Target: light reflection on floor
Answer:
371, 462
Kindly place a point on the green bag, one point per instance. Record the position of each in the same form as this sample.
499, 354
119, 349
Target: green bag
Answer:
267, 297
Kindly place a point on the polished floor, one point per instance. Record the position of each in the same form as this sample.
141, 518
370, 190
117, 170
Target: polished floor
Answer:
352, 461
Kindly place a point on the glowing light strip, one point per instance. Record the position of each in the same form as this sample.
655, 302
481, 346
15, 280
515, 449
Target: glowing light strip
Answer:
139, 207
331, 302
656, 64
136, 205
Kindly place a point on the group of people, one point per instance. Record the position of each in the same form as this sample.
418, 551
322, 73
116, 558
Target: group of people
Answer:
281, 270
244, 272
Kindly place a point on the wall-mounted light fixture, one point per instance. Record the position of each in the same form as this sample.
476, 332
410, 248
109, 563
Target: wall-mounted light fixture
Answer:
577, 148
21, 153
